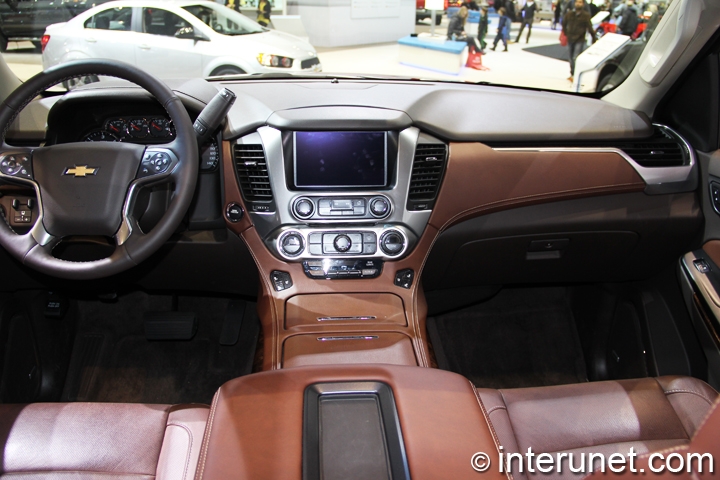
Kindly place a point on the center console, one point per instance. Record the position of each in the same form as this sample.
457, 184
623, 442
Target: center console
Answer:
352, 422
330, 217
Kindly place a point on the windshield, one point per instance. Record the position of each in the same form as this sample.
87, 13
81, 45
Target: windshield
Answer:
224, 20
581, 46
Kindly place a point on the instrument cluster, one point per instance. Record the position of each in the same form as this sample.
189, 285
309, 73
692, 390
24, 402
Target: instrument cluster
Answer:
147, 129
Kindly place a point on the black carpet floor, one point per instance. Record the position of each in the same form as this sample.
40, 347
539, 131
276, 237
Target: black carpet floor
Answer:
113, 362
556, 51
519, 338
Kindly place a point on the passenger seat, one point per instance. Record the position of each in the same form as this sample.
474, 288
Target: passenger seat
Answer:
647, 414
92, 440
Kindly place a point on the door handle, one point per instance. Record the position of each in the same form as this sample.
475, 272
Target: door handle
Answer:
90, 40
144, 46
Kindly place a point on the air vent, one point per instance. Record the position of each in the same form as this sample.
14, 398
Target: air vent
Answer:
662, 150
252, 173
427, 172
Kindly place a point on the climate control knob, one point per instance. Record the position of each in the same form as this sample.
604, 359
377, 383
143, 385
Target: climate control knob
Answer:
392, 242
304, 208
379, 206
292, 244
342, 243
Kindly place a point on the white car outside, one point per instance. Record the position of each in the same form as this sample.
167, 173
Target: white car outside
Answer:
177, 39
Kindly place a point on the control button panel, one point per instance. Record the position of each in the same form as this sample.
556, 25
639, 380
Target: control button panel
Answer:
404, 278
19, 210
281, 280
341, 208
304, 242
342, 268
16, 165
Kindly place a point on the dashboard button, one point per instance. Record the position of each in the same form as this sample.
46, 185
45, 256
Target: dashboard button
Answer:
369, 248
315, 238
234, 212
369, 237
291, 244
379, 206
304, 208
342, 243
315, 249
392, 242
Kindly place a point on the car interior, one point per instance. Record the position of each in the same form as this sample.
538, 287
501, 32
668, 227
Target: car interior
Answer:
316, 276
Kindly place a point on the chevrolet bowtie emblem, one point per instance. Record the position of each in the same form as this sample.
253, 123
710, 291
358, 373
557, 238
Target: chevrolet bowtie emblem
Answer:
81, 171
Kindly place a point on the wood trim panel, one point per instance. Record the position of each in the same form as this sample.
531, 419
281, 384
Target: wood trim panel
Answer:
308, 310
478, 180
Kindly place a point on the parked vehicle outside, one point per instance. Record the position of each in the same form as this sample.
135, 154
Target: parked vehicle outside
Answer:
177, 38
27, 19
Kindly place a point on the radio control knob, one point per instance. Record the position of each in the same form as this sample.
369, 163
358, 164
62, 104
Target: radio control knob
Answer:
379, 206
392, 242
304, 208
292, 244
342, 243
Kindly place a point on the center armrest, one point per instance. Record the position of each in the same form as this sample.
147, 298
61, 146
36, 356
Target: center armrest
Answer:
256, 422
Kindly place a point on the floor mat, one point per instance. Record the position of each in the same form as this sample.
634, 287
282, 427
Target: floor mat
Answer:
519, 338
113, 361
556, 51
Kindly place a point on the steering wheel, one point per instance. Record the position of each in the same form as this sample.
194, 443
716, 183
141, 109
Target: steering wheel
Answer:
90, 188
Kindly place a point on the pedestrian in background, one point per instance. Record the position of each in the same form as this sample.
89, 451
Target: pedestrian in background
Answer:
575, 24
629, 21
456, 32
557, 13
503, 31
483, 28
263, 13
528, 17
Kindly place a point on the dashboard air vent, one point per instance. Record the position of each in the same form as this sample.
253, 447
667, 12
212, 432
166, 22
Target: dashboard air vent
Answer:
252, 173
427, 171
662, 150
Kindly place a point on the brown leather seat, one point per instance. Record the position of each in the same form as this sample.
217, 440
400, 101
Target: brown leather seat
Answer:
648, 414
101, 440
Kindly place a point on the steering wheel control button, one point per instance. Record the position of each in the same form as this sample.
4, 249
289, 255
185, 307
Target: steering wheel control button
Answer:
16, 165
392, 242
379, 207
404, 278
291, 244
155, 163
234, 212
304, 208
342, 243
280, 280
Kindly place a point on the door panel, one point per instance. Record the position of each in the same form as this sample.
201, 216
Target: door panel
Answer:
161, 53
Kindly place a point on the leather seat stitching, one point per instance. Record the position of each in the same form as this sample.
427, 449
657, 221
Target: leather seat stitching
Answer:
94, 472
693, 392
188, 456
206, 441
629, 441
494, 435
496, 407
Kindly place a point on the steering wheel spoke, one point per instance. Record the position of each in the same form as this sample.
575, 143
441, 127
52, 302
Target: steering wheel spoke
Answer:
158, 163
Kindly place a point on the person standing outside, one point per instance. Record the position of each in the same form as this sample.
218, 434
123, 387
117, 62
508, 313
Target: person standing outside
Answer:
503, 30
528, 17
263, 13
483, 28
557, 13
575, 23
629, 21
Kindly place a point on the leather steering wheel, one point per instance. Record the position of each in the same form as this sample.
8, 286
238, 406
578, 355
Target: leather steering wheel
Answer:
90, 188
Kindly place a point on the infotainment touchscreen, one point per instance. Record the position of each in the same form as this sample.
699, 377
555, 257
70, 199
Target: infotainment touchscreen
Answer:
340, 159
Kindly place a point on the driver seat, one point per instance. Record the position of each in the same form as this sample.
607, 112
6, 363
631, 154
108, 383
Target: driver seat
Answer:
88, 440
